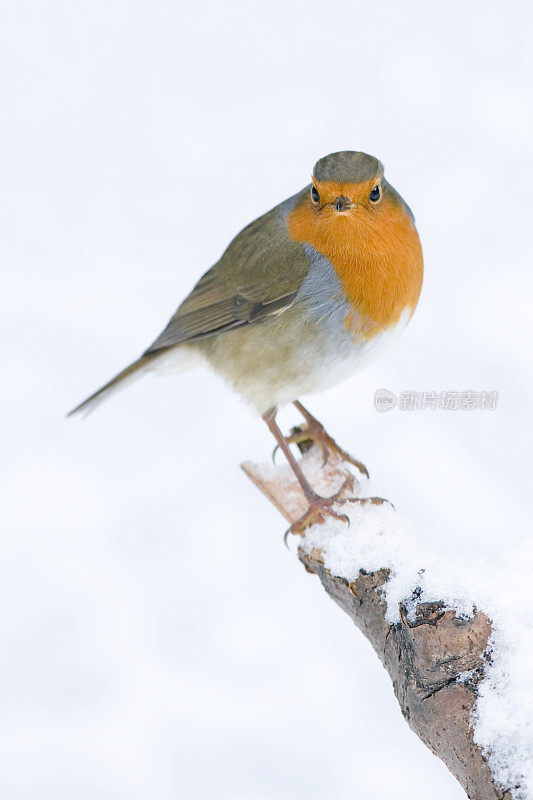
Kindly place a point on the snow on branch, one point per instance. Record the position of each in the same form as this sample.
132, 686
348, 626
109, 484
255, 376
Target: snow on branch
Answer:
448, 634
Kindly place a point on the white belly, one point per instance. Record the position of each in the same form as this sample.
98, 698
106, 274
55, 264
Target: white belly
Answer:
338, 361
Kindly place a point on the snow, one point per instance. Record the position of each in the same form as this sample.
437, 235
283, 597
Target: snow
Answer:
379, 536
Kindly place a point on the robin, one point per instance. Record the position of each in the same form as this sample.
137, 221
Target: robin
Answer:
302, 298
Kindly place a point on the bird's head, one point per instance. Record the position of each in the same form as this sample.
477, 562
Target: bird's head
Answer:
349, 203
347, 182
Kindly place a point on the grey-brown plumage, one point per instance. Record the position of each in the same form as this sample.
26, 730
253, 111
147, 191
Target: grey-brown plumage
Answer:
258, 276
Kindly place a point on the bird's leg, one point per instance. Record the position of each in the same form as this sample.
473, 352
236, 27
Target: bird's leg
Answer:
328, 442
317, 505
315, 431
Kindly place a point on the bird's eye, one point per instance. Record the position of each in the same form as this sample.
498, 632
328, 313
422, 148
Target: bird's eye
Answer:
375, 194
314, 195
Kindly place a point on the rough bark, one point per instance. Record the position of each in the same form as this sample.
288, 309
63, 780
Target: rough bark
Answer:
424, 657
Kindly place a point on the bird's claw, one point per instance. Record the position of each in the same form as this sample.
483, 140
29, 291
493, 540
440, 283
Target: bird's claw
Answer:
316, 433
375, 501
321, 506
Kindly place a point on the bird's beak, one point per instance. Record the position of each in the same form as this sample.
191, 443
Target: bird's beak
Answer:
342, 203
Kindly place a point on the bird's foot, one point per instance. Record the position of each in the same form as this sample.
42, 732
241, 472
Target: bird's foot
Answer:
314, 432
321, 507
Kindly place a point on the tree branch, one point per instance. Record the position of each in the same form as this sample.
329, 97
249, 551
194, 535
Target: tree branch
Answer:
426, 656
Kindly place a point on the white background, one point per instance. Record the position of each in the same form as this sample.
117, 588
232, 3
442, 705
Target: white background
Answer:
157, 640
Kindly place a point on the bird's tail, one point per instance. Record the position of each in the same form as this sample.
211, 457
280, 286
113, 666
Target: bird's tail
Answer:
120, 381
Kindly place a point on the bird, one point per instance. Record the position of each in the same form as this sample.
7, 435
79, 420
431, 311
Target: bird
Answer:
302, 298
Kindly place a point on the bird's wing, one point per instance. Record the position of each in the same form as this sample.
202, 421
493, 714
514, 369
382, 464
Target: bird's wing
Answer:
258, 276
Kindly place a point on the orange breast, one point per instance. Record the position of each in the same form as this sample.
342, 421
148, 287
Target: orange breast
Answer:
376, 253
